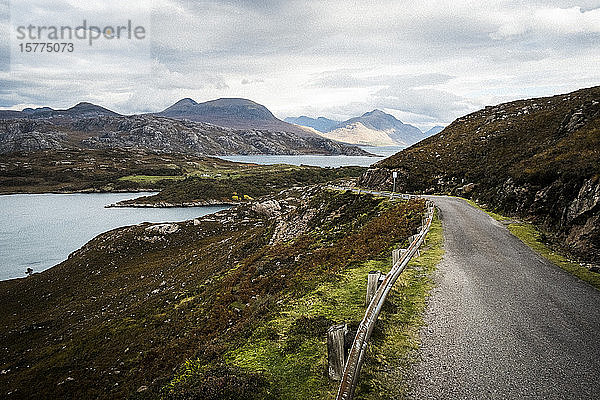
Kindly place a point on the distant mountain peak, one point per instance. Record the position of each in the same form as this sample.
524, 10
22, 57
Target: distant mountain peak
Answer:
237, 101
375, 128
85, 107
376, 112
434, 131
186, 101
231, 112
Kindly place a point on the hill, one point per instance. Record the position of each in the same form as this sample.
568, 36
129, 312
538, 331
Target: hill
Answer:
89, 126
234, 305
537, 159
80, 110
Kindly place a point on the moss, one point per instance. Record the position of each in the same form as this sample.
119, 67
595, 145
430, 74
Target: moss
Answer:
395, 342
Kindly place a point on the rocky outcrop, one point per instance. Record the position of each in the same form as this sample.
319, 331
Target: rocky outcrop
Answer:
159, 134
24, 136
269, 208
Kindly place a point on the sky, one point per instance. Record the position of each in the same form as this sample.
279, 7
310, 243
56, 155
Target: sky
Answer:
425, 62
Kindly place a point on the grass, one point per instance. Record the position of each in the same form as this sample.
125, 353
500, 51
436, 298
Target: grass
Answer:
287, 349
532, 237
395, 342
211, 311
245, 184
150, 178
492, 214
292, 349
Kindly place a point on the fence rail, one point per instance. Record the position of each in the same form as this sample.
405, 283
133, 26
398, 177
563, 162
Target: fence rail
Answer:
359, 346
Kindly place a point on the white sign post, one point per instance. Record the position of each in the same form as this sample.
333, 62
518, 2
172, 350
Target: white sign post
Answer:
394, 175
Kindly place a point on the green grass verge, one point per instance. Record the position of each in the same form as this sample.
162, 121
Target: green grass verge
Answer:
292, 350
393, 349
494, 215
532, 237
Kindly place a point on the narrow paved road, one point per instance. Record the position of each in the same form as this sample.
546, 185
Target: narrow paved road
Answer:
502, 322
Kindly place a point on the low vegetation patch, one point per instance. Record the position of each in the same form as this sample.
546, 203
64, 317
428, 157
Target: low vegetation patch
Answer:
233, 305
103, 170
533, 238
244, 185
395, 342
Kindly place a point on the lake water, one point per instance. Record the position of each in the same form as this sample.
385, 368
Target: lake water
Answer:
321, 161
41, 230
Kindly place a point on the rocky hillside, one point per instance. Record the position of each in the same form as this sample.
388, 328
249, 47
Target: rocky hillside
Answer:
230, 306
86, 128
537, 159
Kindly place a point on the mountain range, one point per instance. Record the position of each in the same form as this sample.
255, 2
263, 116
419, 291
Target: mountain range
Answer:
320, 124
219, 127
374, 128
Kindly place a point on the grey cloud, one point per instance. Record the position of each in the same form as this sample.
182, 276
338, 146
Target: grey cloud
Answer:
433, 103
344, 80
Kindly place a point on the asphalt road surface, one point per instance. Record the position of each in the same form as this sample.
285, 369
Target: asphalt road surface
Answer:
502, 322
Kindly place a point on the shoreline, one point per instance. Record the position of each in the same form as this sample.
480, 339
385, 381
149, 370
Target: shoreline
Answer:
84, 191
163, 204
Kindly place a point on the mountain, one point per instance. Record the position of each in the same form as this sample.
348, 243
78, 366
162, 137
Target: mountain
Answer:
320, 124
375, 128
434, 131
85, 128
537, 159
232, 113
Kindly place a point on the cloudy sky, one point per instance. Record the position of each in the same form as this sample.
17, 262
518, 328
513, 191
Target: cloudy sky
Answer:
426, 62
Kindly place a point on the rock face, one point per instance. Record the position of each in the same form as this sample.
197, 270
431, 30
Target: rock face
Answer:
537, 159
25, 135
269, 208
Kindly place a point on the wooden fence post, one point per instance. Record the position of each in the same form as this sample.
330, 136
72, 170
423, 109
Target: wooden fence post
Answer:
335, 351
395, 256
372, 281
